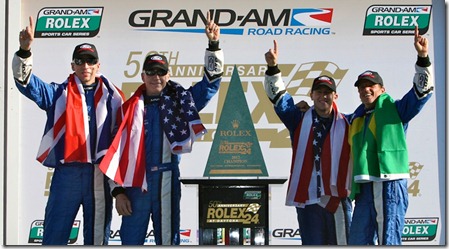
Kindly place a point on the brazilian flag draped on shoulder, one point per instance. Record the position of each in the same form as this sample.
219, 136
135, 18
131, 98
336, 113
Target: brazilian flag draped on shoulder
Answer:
379, 150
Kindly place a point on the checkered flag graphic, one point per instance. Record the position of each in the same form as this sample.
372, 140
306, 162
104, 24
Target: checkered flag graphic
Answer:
253, 208
415, 169
301, 82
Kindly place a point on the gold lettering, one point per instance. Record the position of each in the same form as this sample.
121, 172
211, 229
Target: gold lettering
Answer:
210, 213
252, 76
48, 181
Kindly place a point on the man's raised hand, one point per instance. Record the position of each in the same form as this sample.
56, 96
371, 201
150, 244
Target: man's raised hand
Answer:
212, 29
26, 36
421, 44
271, 57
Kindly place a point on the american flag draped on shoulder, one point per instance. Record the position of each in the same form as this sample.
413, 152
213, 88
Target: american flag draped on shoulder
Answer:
125, 160
66, 138
181, 121
336, 165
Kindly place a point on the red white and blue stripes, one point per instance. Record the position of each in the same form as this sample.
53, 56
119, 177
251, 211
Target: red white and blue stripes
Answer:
125, 160
335, 164
67, 140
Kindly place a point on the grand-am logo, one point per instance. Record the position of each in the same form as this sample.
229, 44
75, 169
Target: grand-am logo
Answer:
37, 232
68, 22
420, 229
286, 233
396, 19
300, 21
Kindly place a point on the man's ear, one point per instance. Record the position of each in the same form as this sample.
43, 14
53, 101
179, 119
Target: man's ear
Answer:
168, 76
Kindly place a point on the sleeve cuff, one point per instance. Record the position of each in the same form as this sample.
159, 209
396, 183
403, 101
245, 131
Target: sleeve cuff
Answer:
117, 190
423, 61
214, 45
23, 53
273, 70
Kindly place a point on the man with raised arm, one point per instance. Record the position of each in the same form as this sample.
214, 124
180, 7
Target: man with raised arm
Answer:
80, 120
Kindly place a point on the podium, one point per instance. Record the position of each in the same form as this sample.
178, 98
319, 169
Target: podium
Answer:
234, 190
233, 211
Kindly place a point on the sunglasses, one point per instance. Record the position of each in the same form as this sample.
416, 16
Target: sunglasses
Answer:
153, 72
89, 61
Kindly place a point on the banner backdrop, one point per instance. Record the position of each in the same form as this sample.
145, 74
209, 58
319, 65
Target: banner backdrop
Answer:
339, 38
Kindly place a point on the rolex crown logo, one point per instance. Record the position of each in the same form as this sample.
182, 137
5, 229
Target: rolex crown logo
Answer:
235, 124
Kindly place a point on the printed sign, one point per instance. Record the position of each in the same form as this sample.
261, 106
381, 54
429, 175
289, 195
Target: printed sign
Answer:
37, 232
420, 229
68, 22
396, 19
233, 215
